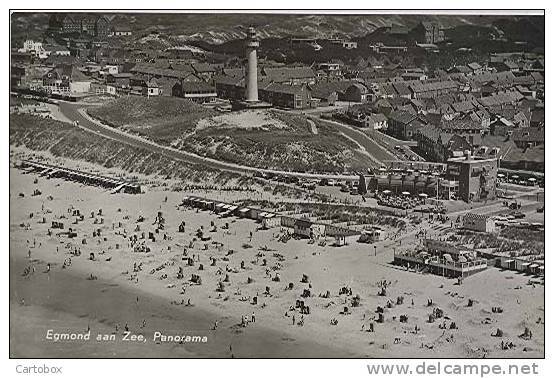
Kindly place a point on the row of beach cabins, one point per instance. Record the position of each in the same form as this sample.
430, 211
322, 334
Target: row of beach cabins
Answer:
445, 259
302, 227
115, 185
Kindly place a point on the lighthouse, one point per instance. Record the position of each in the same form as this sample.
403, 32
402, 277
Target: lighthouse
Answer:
252, 44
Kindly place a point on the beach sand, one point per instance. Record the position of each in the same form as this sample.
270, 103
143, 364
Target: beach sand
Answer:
65, 300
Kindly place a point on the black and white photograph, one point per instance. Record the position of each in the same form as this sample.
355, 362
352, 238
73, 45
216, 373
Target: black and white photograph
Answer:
280, 184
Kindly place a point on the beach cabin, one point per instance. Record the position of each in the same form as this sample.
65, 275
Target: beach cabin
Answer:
219, 207
340, 240
270, 220
254, 213
508, 264
244, 212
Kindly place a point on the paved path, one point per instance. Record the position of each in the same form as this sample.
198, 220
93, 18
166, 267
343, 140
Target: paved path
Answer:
75, 112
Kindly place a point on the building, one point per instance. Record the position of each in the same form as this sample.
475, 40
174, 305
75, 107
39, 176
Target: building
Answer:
65, 79
442, 259
439, 146
290, 75
373, 235
305, 228
356, 92
120, 30
287, 96
403, 124
476, 177
377, 121
478, 222
428, 32
197, 91
94, 25
330, 69
528, 137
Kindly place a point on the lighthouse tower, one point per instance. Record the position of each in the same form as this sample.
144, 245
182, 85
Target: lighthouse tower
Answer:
252, 44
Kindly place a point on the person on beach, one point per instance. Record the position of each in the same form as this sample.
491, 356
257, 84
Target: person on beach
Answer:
253, 318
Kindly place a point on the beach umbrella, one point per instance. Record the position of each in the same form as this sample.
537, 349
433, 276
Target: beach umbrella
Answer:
423, 195
515, 177
386, 191
406, 193
500, 175
532, 179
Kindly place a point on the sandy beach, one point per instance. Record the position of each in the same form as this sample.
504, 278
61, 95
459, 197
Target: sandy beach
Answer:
145, 291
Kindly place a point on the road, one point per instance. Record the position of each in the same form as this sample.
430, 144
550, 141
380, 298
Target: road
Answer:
75, 112
377, 153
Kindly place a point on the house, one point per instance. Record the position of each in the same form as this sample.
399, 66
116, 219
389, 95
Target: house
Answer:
501, 127
401, 124
99, 89
478, 222
109, 69
428, 32
197, 91
120, 30
95, 25
355, 92
537, 117
522, 119
66, 79
328, 91
289, 75
476, 68
529, 159
330, 69
230, 87
439, 146
49, 50
377, 121
529, 137
207, 71
433, 89
151, 88
287, 96
402, 89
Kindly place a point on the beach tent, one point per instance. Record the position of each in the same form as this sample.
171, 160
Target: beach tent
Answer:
533, 268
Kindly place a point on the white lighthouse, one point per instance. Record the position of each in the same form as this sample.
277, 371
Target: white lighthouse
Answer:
252, 44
